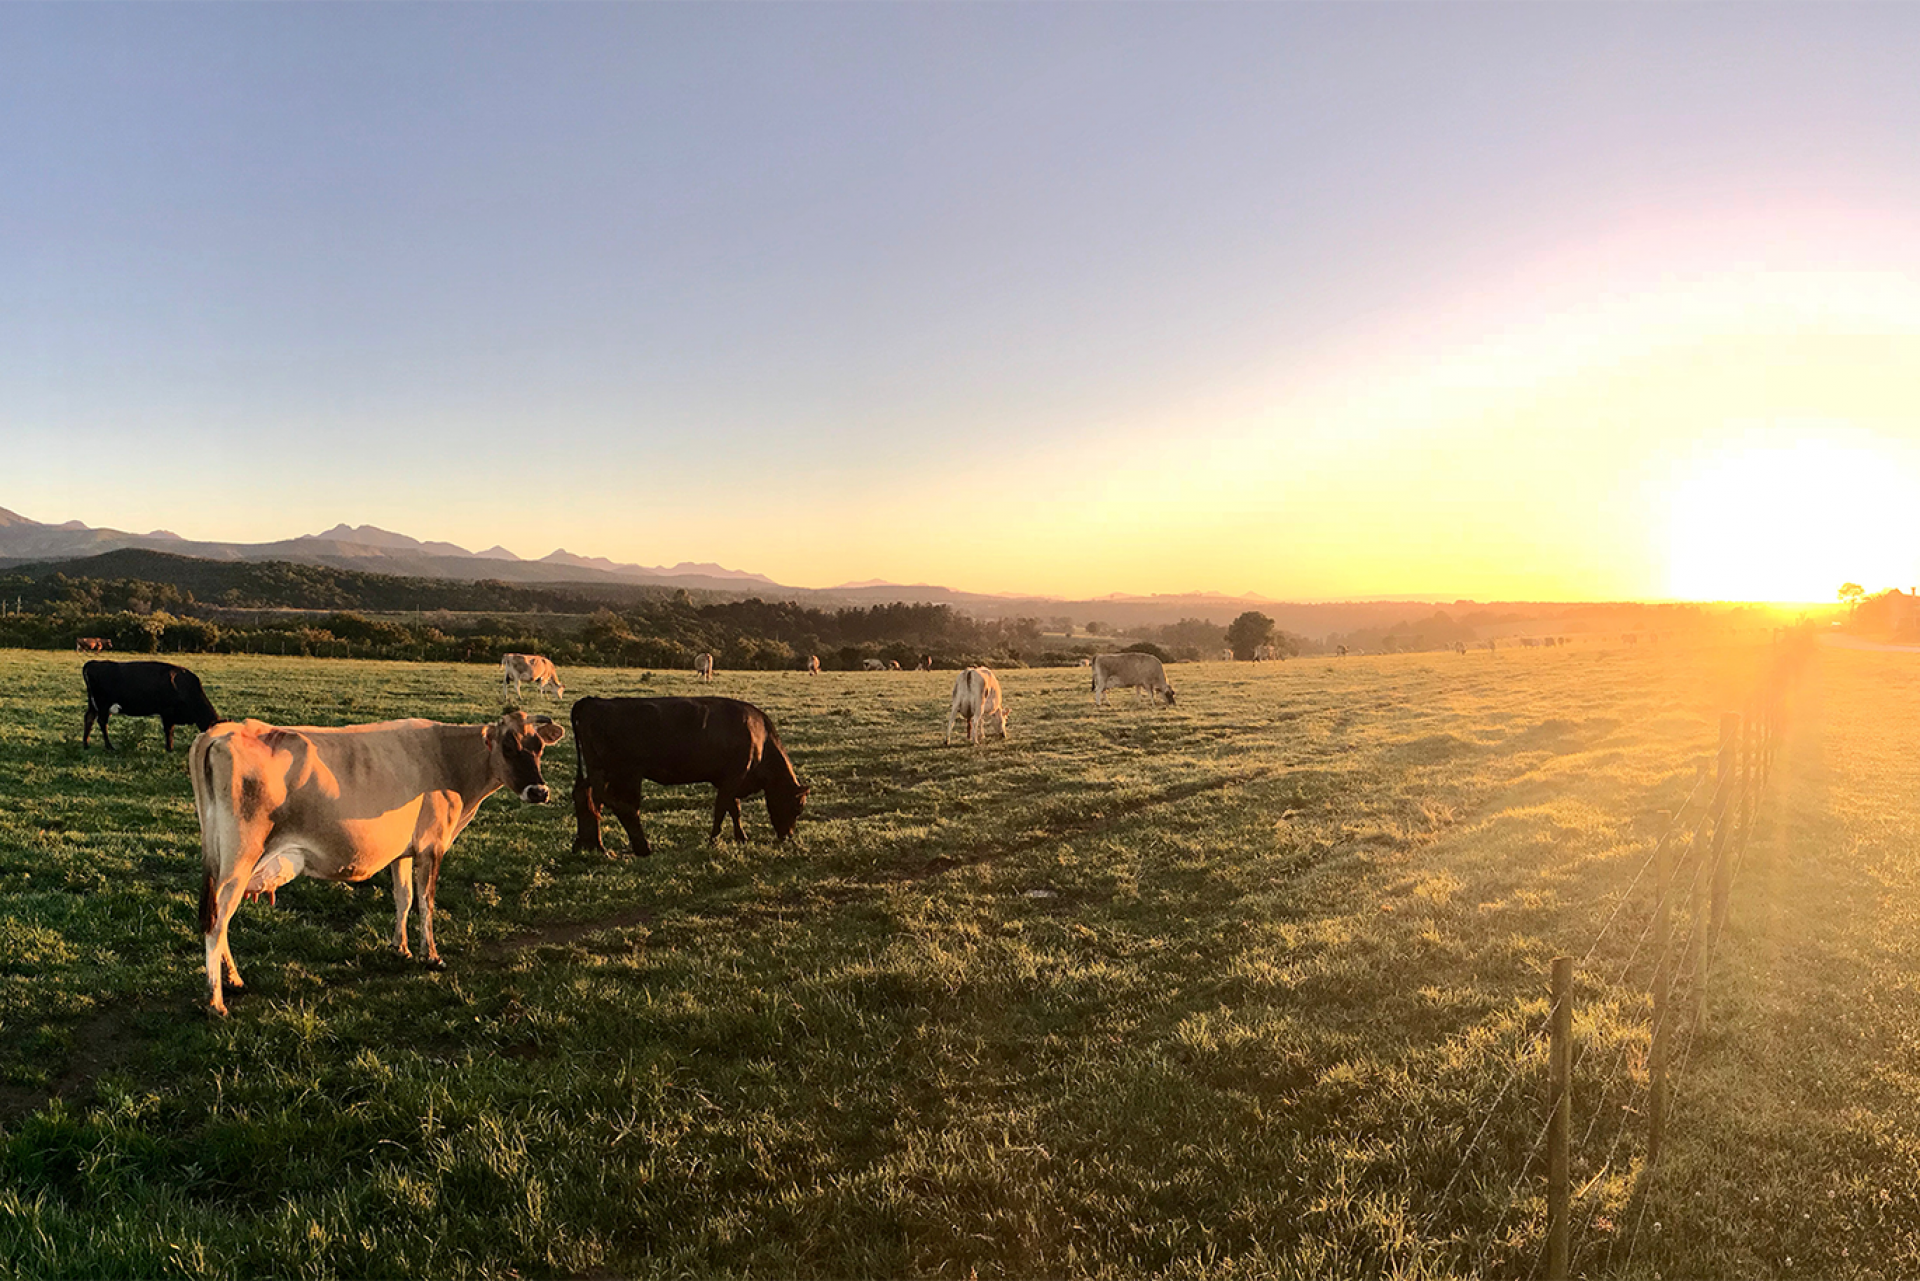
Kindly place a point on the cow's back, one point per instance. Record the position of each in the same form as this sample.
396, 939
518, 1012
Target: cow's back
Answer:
670, 740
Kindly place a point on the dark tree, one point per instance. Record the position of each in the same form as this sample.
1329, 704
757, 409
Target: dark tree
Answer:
1249, 632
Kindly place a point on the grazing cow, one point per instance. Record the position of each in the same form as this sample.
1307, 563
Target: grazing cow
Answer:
813, 664
340, 804
1226, 655
926, 662
92, 645
515, 668
1088, 662
622, 742
703, 666
1459, 647
873, 664
143, 689
976, 696
1136, 671
893, 664
1342, 650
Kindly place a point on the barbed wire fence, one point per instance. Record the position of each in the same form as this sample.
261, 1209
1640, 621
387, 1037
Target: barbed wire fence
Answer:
1692, 865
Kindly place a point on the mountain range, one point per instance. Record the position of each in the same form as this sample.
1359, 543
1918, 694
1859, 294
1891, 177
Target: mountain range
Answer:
366, 548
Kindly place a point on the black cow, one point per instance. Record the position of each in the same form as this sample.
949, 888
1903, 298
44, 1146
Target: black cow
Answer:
622, 742
144, 689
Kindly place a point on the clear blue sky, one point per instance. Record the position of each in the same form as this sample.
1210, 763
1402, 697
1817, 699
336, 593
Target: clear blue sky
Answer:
1072, 297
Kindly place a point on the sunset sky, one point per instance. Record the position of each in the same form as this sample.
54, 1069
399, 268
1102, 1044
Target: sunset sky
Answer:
1309, 300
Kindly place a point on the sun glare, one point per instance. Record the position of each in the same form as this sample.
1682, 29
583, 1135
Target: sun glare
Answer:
1793, 521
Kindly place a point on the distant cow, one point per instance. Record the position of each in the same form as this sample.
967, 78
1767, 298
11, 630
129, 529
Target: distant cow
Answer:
1088, 662
340, 804
873, 664
622, 742
1136, 671
143, 689
92, 645
1459, 647
703, 666
893, 664
926, 662
515, 668
1341, 650
813, 664
1226, 655
976, 696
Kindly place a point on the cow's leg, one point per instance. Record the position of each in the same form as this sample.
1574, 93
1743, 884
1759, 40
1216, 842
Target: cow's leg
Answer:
726, 801
586, 818
86, 725
104, 740
168, 726
625, 805
952, 713
402, 901
218, 901
426, 878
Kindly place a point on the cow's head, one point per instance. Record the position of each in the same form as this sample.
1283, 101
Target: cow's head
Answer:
514, 742
783, 809
1166, 692
194, 703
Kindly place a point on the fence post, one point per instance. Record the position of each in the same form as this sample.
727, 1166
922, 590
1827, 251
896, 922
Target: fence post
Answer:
1560, 1127
1662, 998
1722, 804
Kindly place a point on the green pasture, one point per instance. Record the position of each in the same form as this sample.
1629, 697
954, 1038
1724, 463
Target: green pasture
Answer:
1248, 986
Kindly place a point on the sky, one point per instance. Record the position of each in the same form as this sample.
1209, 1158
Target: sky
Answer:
1305, 300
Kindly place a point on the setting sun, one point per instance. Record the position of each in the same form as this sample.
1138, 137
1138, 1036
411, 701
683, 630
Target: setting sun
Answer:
1790, 520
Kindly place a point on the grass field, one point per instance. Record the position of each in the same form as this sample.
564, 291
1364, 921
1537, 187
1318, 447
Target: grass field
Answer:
1246, 986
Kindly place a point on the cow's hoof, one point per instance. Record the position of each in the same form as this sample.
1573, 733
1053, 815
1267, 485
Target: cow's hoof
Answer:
435, 963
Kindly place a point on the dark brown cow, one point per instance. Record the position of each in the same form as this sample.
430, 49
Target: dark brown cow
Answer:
622, 742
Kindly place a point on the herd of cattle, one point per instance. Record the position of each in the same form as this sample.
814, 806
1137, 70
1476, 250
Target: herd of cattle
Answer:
278, 802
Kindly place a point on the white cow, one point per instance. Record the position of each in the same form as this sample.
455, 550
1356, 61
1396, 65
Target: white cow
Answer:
1129, 671
703, 666
873, 664
976, 696
515, 668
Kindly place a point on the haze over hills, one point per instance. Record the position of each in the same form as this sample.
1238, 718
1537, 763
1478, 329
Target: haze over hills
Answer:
80, 550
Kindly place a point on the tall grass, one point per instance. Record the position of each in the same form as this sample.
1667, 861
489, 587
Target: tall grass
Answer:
1242, 986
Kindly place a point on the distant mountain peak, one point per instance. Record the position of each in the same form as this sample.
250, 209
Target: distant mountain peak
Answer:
496, 552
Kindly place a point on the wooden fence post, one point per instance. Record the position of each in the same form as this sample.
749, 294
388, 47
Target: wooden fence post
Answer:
1722, 804
1560, 1127
1662, 997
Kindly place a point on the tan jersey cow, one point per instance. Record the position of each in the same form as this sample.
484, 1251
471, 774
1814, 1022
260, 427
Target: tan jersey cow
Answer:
703, 666
976, 696
1136, 671
340, 804
515, 668
813, 664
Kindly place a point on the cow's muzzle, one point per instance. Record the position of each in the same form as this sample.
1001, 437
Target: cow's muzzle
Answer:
535, 794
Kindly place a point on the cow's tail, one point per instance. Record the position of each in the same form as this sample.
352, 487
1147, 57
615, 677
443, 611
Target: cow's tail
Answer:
210, 767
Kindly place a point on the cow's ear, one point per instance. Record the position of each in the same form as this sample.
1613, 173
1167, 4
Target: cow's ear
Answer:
486, 735
551, 732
